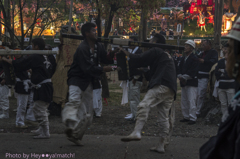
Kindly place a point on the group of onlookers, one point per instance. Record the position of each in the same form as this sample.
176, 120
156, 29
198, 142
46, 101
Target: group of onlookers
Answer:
193, 71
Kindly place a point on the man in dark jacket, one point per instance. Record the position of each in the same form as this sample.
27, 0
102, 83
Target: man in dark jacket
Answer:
83, 77
162, 89
135, 82
187, 74
41, 83
226, 143
207, 59
226, 85
22, 89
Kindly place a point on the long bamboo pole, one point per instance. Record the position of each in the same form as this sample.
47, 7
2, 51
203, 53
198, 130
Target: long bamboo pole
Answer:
4, 52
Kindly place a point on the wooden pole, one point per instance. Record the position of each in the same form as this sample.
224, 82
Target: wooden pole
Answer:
27, 52
70, 17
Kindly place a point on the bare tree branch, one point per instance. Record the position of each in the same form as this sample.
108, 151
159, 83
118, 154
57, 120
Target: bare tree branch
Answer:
10, 30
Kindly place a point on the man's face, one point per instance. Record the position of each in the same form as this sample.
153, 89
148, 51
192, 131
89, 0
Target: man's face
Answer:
35, 47
152, 40
187, 48
205, 46
225, 52
92, 34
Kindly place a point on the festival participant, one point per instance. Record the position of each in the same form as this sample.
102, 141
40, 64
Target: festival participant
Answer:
171, 34
83, 77
162, 89
163, 32
187, 74
153, 32
226, 85
115, 32
207, 59
187, 17
226, 144
42, 85
134, 32
22, 89
135, 82
4, 90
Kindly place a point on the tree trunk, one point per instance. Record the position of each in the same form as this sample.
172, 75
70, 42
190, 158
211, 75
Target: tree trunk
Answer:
218, 25
12, 32
8, 18
109, 24
105, 88
98, 21
70, 17
143, 26
34, 21
22, 31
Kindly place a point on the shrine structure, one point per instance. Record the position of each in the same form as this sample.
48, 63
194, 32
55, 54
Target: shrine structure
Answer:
205, 6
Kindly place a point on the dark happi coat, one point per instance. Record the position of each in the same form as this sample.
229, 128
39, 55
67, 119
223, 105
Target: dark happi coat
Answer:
40, 72
86, 68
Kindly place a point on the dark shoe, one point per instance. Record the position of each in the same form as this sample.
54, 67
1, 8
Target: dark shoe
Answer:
191, 122
69, 132
184, 120
33, 123
75, 141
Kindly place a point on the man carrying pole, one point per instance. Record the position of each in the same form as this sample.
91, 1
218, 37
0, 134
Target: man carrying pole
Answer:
83, 77
41, 83
162, 89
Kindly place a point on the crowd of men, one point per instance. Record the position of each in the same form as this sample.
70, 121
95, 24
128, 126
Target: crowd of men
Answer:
33, 83
158, 65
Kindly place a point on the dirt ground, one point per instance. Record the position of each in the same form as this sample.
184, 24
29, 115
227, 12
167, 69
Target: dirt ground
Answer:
112, 121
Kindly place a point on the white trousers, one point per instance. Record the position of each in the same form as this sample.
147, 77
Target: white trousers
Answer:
124, 85
78, 111
202, 91
4, 101
134, 96
189, 102
30, 115
22, 100
97, 101
162, 97
40, 112
225, 97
